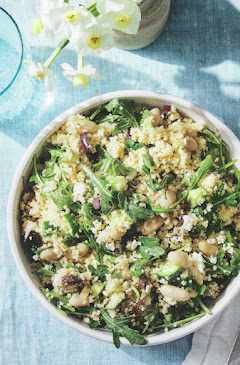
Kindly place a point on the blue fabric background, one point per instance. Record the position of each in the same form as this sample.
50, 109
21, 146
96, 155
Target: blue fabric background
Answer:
198, 58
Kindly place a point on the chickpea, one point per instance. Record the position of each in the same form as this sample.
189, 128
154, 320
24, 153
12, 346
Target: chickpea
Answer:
80, 300
206, 248
86, 126
165, 198
151, 225
190, 132
175, 293
110, 234
82, 250
157, 120
49, 255
179, 258
191, 144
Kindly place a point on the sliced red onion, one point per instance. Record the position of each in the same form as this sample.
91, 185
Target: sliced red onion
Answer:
84, 143
97, 203
166, 109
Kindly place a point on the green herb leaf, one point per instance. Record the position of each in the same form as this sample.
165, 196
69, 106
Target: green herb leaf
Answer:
119, 327
136, 211
100, 271
131, 145
151, 319
108, 200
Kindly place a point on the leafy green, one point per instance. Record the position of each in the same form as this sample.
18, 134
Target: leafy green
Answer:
108, 199
131, 145
215, 147
136, 211
224, 265
179, 323
149, 252
151, 319
227, 198
100, 271
111, 166
202, 171
119, 327
45, 272
121, 112
87, 215
48, 229
147, 164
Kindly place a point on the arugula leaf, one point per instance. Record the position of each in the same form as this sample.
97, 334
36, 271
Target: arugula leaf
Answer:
220, 146
228, 198
49, 230
87, 216
147, 164
202, 171
100, 271
151, 319
111, 166
118, 326
107, 193
45, 272
50, 294
55, 152
61, 199
149, 251
136, 211
131, 145
181, 322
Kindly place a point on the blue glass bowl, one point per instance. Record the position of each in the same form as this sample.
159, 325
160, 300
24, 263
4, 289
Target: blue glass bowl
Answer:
11, 50
15, 85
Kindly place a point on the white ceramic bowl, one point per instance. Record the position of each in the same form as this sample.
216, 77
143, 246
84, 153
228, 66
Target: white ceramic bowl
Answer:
151, 99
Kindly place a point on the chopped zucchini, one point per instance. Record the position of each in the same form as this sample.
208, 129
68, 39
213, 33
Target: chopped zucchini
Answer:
97, 288
72, 222
194, 196
118, 183
168, 269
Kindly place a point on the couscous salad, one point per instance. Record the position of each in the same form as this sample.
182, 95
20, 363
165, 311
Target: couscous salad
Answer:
131, 219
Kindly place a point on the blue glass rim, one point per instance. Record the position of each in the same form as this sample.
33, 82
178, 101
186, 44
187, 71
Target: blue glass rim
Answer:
21, 56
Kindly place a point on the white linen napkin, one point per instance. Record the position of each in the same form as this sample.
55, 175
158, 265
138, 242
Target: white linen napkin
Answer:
213, 344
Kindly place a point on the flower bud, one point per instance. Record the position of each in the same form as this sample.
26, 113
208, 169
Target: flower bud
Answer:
37, 26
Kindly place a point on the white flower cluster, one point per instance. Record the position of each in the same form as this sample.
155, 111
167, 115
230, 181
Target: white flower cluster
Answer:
88, 26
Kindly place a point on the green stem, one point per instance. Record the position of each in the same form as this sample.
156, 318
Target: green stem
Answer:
80, 62
203, 306
93, 9
52, 57
179, 323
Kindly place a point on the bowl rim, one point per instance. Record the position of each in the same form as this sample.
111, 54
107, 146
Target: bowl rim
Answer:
154, 339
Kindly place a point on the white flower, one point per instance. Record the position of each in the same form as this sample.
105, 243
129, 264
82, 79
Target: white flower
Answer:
94, 39
123, 15
41, 72
80, 77
51, 14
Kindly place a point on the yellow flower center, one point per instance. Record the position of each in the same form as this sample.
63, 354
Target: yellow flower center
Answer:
94, 41
37, 26
72, 16
40, 75
81, 80
123, 21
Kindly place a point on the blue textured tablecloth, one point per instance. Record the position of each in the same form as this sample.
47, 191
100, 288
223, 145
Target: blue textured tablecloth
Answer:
197, 58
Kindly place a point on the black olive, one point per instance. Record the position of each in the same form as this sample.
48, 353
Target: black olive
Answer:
33, 240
